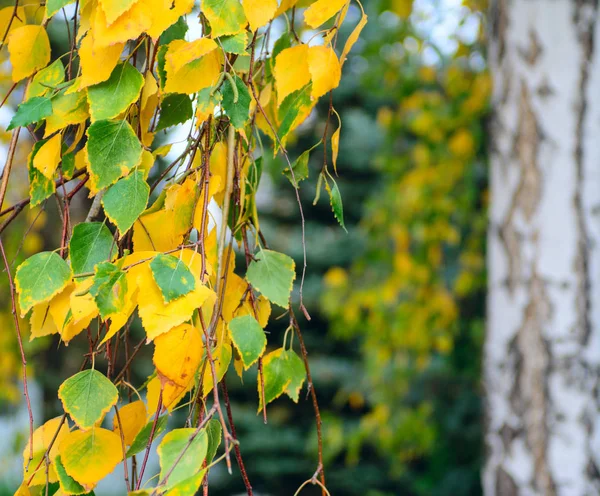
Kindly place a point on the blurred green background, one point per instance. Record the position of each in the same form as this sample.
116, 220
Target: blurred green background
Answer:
397, 303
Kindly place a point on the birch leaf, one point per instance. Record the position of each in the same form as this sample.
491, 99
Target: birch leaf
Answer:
97, 62
111, 97
30, 112
172, 446
291, 71
67, 109
259, 12
172, 276
133, 418
39, 278
236, 102
113, 150
47, 158
141, 439
321, 11
277, 377
325, 70
29, 49
249, 339
43, 82
109, 289
178, 354
272, 274
114, 8
89, 456
87, 397
125, 201
225, 16
91, 243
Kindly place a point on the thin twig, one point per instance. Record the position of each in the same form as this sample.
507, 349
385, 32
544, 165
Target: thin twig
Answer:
21, 350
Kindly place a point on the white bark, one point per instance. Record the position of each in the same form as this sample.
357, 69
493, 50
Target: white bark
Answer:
542, 353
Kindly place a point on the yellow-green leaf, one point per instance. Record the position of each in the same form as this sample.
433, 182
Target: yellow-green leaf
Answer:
87, 396
177, 465
39, 278
89, 456
225, 16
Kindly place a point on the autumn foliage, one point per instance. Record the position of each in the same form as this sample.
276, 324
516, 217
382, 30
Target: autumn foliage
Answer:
163, 249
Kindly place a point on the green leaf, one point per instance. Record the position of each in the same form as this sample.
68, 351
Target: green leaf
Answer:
160, 65
236, 43
236, 102
40, 187
272, 274
173, 276
176, 31
335, 200
171, 448
297, 374
46, 79
277, 376
213, 431
226, 16
141, 440
109, 288
174, 109
68, 165
87, 397
90, 244
33, 110
300, 168
53, 6
249, 339
113, 150
67, 483
111, 97
125, 201
39, 278
292, 108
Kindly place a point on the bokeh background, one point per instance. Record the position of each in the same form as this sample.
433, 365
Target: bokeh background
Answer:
397, 302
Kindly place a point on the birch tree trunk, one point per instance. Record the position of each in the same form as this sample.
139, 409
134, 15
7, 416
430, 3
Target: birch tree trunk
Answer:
542, 354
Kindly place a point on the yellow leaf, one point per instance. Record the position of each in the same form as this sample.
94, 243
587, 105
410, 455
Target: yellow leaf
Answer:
164, 13
67, 109
178, 353
353, 38
195, 76
41, 440
156, 232
149, 103
321, 11
133, 419
172, 394
114, 8
221, 355
259, 12
180, 201
6, 14
90, 456
83, 309
29, 49
48, 156
147, 163
40, 322
291, 71
23, 489
325, 70
126, 27
86, 13
285, 5
225, 16
181, 54
335, 142
97, 62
